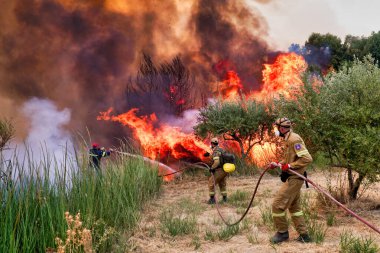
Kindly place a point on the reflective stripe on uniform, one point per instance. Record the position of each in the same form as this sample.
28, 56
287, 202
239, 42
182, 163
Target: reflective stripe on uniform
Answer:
93, 155
300, 213
278, 214
303, 152
104, 154
216, 158
212, 193
223, 192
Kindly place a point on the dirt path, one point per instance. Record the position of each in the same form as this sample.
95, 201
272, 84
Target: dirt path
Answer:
187, 198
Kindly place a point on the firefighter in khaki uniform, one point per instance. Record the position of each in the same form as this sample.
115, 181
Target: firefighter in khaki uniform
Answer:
297, 157
219, 174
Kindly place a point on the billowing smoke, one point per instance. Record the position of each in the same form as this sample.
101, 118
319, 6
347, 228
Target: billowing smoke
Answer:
48, 144
47, 127
86, 55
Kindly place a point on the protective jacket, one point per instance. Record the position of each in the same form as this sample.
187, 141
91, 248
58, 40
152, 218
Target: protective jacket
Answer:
219, 175
96, 155
296, 153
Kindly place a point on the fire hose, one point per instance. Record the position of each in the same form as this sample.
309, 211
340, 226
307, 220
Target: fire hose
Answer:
202, 165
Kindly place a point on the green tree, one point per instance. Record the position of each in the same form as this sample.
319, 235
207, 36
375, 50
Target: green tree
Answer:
326, 44
359, 47
343, 120
243, 122
6, 132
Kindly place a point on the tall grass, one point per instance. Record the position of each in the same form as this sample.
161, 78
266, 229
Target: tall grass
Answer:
34, 201
351, 244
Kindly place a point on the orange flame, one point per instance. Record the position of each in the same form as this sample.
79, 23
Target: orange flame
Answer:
231, 87
167, 141
282, 76
158, 143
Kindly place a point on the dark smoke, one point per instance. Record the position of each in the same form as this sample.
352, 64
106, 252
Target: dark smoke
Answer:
83, 54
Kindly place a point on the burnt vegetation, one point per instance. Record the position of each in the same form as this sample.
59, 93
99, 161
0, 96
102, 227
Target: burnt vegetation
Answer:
169, 85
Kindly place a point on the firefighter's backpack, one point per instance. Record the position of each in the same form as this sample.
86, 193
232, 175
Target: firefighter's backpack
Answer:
228, 161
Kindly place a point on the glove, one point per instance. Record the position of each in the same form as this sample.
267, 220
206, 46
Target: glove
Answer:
285, 167
207, 154
111, 150
274, 165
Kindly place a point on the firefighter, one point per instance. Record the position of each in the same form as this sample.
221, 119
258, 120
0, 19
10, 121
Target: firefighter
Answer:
218, 172
297, 157
96, 154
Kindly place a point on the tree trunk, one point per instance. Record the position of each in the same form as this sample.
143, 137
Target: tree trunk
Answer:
354, 185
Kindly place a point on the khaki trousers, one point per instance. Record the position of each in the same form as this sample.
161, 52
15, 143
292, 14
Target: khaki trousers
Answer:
220, 179
288, 197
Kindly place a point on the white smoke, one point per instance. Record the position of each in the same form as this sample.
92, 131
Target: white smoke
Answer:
48, 145
47, 124
186, 122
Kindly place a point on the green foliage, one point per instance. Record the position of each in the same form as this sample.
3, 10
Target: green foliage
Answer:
210, 236
228, 232
341, 119
351, 244
267, 218
242, 122
360, 47
6, 132
317, 231
330, 220
34, 203
175, 223
321, 42
239, 199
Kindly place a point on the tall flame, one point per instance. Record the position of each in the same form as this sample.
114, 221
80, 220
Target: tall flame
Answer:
231, 87
282, 76
165, 141
162, 142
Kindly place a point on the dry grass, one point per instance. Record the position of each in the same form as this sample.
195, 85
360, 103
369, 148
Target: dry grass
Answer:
252, 235
77, 239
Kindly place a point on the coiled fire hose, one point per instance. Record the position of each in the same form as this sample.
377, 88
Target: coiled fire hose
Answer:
202, 165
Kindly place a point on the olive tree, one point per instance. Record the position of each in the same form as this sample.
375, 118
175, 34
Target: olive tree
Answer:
245, 122
342, 119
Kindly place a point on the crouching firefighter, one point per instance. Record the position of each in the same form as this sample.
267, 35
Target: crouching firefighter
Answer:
96, 154
218, 172
297, 157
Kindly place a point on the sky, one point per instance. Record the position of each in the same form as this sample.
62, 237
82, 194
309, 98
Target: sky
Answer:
292, 21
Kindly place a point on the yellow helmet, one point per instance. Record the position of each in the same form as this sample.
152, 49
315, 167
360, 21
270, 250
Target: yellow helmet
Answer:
284, 122
214, 141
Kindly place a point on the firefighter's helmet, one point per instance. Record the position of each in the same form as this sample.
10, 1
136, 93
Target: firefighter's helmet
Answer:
283, 122
214, 141
95, 145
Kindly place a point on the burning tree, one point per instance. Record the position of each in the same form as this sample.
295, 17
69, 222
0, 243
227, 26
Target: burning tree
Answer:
6, 132
246, 123
342, 119
171, 83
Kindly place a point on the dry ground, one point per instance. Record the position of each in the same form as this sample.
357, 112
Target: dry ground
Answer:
189, 195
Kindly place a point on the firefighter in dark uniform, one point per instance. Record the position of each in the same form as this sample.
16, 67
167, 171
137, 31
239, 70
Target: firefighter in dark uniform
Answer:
96, 154
218, 172
297, 157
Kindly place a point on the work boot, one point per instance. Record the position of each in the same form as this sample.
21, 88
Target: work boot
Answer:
211, 200
304, 238
280, 237
224, 198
